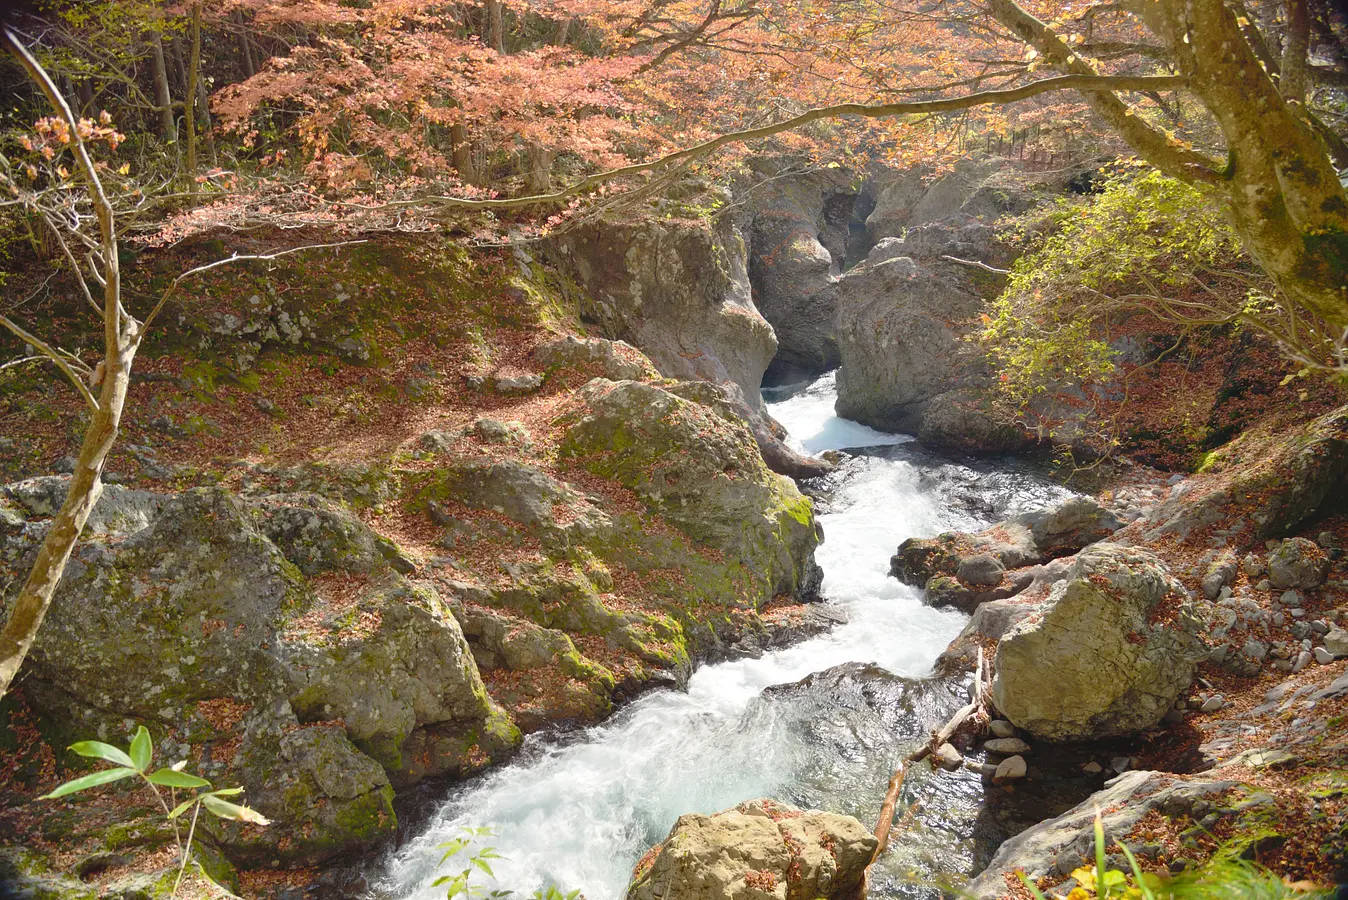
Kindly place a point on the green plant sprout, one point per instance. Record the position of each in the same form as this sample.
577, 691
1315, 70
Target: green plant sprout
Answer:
134, 762
1224, 877
459, 884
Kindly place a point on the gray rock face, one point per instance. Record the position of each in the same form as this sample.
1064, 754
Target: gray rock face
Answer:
901, 320
317, 535
758, 849
1058, 846
1069, 526
794, 277
678, 291
200, 622
119, 510
1091, 662
1297, 563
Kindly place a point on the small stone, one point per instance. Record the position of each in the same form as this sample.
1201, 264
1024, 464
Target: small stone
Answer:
983, 569
1173, 717
1213, 703
1303, 660
1011, 768
1002, 728
1092, 768
1121, 764
1007, 746
1325, 539
518, 384
947, 757
1253, 566
1290, 598
1264, 585
1279, 618
1320, 626
1323, 656
1336, 642
1256, 650
1283, 665
65, 465
1296, 613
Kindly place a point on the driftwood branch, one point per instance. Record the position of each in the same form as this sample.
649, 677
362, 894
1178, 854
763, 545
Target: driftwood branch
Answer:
973, 263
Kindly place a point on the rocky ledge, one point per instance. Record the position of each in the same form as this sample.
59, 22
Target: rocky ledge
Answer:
327, 634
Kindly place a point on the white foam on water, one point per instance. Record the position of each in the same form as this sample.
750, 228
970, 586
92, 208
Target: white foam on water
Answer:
578, 812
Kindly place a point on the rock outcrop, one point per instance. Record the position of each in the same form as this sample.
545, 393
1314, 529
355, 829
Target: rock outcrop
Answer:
680, 292
677, 290
902, 316
1261, 485
1057, 847
1108, 653
794, 274
968, 570
758, 849
203, 623
916, 197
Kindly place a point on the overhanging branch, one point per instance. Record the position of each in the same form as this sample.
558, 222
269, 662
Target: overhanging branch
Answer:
1096, 84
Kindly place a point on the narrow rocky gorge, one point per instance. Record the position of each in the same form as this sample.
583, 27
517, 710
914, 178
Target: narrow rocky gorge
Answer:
534, 509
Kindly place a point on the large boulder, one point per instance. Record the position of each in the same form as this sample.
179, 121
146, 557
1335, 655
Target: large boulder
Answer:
698, 466
968, 570
759, 849
1107, 653
200, 627
902, 319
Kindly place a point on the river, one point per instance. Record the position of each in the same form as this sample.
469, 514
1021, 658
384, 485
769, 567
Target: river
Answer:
577, 810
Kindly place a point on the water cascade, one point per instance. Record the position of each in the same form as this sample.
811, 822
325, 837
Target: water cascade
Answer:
578, 809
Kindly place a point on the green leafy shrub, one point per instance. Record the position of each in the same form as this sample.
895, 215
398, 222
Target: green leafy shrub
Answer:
1147, 245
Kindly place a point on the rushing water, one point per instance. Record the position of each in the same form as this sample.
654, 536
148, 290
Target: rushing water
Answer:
579, 810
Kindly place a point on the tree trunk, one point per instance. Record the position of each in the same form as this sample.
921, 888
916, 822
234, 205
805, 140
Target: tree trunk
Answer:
86, 94
563, 31
162, 97
86, 486
1278, 187
461, 151
249, 61
190, 97
539, 178
496, 26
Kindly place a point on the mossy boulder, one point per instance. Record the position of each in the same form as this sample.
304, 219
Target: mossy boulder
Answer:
760, 849
701, 469
199, 626
318, 535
